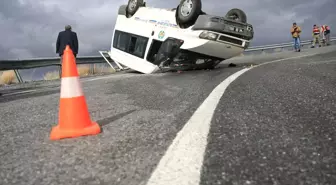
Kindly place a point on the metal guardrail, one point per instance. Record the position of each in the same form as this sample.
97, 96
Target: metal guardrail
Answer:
18, 64
282, 45
55, 61
42, 62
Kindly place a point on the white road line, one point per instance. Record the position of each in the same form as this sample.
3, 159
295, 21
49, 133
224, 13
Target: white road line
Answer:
183, 161
283, 59
109, 77
97, 78
46, 88
321, 62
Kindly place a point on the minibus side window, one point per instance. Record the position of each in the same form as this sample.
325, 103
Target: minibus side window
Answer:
131, 47
140, 47
120, 40
130, 43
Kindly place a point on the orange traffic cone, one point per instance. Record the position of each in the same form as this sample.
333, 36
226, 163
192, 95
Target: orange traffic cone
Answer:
74, 119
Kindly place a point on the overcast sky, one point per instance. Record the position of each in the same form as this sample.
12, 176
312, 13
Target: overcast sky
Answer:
29, 28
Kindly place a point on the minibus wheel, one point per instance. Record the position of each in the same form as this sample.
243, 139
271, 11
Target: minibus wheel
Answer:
236, 14
188, 11
133, 6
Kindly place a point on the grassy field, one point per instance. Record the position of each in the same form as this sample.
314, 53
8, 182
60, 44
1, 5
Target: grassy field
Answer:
9, 77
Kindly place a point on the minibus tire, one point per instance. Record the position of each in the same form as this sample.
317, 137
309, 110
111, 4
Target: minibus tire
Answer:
193, 15
237, 12
130, 12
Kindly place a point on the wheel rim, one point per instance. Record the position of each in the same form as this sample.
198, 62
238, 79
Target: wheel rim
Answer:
235, 17
186, 8
132, 4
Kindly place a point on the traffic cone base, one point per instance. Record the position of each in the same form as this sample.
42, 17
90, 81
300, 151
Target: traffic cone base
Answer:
58, 133
74, 119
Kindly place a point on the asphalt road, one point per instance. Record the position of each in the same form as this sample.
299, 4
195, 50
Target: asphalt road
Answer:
276, 124
273, 125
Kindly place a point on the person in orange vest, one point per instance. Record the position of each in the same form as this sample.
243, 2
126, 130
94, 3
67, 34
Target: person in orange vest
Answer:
322, 34
295, 31
326, 34
316, 36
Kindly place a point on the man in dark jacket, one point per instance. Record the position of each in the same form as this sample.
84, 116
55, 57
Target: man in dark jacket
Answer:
67, 37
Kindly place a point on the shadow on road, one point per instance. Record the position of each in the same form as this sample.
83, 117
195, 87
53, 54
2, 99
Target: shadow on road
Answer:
109, 120
13, 97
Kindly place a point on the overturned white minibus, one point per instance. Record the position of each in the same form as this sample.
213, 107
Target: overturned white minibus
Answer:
149, 39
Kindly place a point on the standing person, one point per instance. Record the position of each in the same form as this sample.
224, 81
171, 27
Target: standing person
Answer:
316, 36
67, 37
295, 31
327, 34
322, 30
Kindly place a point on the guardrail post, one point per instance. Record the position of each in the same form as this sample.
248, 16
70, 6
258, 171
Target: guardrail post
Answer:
60, 71
18, 76
92, 68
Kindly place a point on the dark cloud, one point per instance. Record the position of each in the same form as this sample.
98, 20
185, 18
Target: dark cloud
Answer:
29, 27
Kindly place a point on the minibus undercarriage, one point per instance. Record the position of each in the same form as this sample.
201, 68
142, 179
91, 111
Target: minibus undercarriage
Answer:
181, 59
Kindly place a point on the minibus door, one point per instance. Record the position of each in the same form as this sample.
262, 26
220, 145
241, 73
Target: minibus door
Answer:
168, 50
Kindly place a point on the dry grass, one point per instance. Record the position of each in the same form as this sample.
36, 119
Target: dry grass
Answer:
83, 70
277, 50
52, 75
7, 77
103, 69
